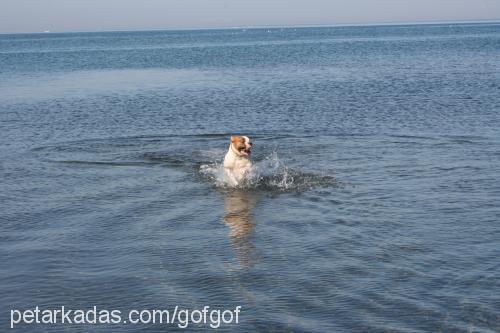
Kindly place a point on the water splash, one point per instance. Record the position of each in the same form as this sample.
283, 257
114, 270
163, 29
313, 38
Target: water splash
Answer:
269, 174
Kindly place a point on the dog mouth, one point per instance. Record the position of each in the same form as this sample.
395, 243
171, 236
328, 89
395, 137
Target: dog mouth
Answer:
245, 151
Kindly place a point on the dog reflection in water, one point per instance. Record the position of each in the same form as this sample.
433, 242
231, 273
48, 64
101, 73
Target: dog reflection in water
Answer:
238, 216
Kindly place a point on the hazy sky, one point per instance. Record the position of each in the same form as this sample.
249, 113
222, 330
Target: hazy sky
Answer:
92, 15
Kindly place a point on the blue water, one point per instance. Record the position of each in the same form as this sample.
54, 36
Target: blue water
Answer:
376, 202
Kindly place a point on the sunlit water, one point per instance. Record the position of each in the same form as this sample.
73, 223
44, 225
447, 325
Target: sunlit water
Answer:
372, 205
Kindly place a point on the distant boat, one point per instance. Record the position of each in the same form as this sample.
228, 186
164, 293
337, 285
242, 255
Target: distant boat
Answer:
47, 31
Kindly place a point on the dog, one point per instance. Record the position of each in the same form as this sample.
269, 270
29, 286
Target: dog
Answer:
237, 161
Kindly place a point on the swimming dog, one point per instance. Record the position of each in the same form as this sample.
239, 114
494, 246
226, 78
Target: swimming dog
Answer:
237, 161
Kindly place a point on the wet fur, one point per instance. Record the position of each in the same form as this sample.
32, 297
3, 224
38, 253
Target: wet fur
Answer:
237, 160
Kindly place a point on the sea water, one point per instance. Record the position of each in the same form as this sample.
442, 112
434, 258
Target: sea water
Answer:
373, 205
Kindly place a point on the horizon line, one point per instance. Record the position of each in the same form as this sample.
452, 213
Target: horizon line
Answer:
395, 23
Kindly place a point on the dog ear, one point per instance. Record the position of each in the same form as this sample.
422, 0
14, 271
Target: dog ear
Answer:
234, 139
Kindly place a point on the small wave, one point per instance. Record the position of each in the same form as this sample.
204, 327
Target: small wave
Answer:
270, 174
100, 163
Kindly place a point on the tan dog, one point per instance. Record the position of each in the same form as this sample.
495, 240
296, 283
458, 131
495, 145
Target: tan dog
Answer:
237, 162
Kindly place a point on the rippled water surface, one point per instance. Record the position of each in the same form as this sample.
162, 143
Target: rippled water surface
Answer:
373, 204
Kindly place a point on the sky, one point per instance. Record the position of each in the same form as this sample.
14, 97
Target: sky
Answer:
99, 15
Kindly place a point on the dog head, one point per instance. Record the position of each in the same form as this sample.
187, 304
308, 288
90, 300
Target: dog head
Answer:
241, 145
